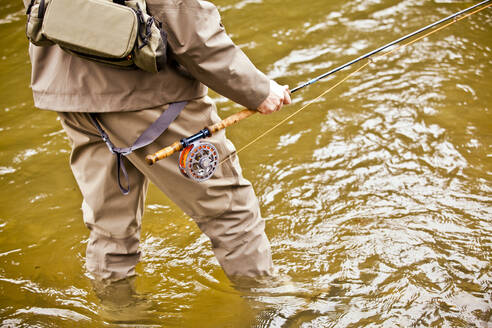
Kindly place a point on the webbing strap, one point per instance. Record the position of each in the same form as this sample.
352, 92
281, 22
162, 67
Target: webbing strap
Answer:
147, 137
41, 9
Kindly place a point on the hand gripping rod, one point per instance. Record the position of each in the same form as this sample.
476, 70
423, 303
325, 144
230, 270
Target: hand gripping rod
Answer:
245, 113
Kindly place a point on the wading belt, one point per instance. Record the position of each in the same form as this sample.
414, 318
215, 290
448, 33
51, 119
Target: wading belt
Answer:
147, 137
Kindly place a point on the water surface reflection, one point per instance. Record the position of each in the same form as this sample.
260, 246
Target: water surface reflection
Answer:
377, 197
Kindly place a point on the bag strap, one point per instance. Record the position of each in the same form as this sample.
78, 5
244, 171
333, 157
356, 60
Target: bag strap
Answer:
41, 10
147, 137
29, 7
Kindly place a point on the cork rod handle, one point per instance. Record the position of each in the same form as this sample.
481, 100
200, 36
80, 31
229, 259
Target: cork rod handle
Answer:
164, 152
230, 120
178, 145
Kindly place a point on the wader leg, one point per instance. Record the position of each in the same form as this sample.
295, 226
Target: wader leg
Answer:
113, 219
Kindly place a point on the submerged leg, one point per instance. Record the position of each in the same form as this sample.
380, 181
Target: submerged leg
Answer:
113, 219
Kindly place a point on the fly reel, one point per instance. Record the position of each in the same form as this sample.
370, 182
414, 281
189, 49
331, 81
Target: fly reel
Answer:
198, 161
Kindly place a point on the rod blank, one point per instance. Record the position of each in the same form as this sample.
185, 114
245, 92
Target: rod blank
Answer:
371, 53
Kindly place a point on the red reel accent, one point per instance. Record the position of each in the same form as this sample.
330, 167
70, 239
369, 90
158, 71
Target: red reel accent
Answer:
199, 161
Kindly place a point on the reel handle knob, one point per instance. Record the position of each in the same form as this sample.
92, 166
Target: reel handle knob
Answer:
164, 152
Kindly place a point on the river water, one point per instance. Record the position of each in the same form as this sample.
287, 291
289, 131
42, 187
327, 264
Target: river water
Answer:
377, 197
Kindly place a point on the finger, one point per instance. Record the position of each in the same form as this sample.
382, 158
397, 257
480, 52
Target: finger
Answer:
271, 108
279, 106
263, 110
287, 99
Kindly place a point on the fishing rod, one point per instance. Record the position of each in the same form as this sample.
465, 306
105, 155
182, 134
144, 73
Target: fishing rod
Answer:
199, 161
403, 38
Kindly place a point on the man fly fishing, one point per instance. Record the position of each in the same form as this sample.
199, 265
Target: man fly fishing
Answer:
103, 107
114, 117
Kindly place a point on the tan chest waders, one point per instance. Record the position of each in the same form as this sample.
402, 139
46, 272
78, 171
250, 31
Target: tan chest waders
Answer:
117, 33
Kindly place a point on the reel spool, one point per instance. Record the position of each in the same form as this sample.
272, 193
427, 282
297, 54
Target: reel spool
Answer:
198, 161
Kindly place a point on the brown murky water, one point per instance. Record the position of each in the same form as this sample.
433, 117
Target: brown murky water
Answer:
381, 190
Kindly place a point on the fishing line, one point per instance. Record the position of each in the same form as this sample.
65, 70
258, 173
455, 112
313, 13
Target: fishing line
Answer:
456, 19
